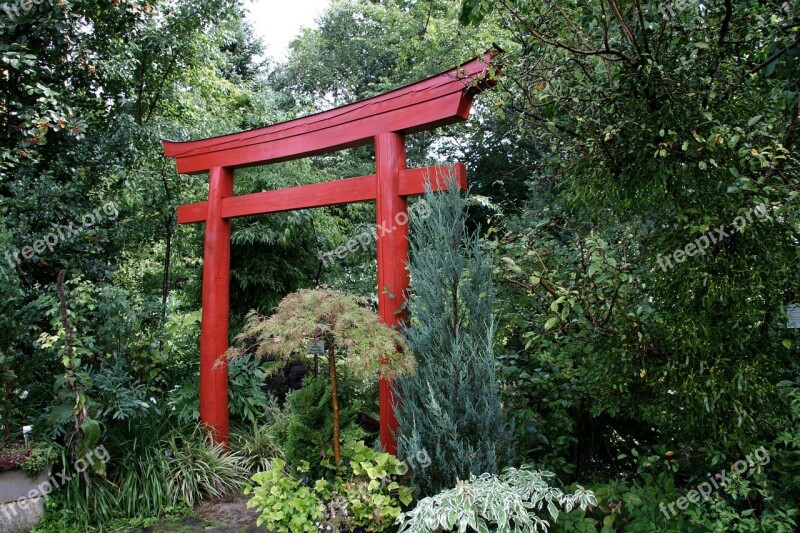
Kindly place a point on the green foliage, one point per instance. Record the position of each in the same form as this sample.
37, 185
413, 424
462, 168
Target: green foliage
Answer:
368, 496
144, 485
763, 498
291, 240
57, 520
640, 175
155, 466
41, 456
123, 362
60, 520
736, 510
286, 504
246, 395
744, 503
351, 56
18, 368
451, 407
785, 451
308, 433
652, 129
514, 501
149, 522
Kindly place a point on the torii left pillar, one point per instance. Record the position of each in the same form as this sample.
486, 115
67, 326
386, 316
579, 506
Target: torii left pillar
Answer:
216, 308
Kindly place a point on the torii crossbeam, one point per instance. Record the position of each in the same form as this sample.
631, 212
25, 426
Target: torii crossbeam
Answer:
385, 120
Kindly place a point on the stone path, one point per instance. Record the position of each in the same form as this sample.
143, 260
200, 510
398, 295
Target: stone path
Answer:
229, 515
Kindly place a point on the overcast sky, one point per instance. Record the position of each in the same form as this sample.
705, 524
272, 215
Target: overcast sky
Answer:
279, 21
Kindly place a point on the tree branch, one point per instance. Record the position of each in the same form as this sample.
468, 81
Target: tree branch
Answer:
726, 21
761, 66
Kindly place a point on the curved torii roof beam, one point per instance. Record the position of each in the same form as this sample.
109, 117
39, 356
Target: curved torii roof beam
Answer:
437, 101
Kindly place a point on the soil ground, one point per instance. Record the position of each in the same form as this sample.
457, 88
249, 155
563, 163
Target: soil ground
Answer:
229, 515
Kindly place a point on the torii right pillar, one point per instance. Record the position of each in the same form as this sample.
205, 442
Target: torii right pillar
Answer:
392, 214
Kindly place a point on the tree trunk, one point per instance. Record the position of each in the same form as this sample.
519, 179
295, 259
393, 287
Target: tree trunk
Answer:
337, 454
170, 221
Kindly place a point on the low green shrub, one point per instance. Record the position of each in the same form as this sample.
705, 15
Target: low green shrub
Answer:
371, 496
286, 503
745, 503
658, 497
367, 495
748, 503
59, 519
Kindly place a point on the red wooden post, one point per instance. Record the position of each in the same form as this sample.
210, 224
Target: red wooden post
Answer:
216, 303
392, 211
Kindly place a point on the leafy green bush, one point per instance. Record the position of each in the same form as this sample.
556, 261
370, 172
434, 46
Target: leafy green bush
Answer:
287, 505
748, 503
246, 394
745, 503
762, 498
369, 495
513, 501
626, 506
248, 401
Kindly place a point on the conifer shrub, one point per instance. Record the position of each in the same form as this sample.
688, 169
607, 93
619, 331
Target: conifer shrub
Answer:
308, 434
451, 406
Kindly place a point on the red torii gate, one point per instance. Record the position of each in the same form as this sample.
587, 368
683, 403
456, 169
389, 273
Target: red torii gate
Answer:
437, 101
